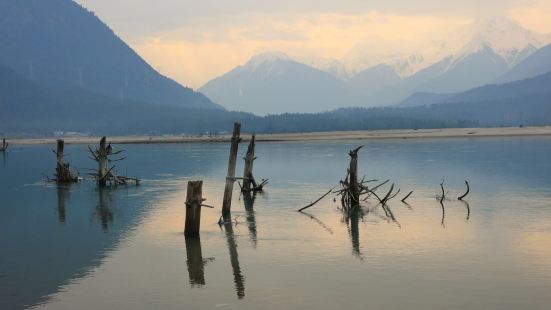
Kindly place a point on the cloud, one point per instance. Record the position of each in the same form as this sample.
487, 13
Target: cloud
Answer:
195, 54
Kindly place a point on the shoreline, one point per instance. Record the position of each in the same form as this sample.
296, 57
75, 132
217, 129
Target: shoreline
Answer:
313, 136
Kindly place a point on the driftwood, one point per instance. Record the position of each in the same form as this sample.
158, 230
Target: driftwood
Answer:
230, 178
4, 146
466, 193
106, 175
319, 199
406, 197
63, 173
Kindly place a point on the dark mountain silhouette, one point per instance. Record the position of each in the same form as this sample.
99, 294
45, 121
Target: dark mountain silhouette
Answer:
59, 45
537, 86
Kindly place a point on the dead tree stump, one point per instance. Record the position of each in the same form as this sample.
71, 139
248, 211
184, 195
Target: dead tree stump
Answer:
354, 185
230, 178
4, 146
193, 208
102, 161
62, 171
248, 178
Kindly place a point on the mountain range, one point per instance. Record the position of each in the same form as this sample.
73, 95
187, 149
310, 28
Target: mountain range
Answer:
484, 52
60, 45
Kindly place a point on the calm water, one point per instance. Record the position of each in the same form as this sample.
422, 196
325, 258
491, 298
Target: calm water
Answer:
80, 247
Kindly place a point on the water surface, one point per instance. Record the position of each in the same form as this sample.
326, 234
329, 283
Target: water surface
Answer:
81, 247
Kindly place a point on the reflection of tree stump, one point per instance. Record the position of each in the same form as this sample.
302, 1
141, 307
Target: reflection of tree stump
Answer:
104, 208
62, 196
249, 199
238, 278
195, 263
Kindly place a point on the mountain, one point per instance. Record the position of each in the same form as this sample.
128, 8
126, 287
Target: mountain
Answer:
533, 87
373, 79
272, 83
60, 45
537, 63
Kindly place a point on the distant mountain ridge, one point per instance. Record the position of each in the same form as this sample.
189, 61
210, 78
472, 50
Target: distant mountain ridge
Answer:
272, 83
58, 44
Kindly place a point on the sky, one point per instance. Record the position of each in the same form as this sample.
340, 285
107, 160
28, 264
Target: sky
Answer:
194, 41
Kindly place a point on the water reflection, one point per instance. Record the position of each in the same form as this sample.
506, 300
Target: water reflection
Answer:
4, 158
103, 209
63, 193
238, 278
249, 200
468, 207
352, 219
195, 262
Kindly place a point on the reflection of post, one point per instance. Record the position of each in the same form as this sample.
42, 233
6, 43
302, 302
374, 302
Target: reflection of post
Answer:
62, 195
195, 264
238, 278
353, 220
104, 210
249, 199
4, 158
230, 178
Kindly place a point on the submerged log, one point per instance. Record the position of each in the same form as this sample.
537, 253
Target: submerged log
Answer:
230, 178
193, 208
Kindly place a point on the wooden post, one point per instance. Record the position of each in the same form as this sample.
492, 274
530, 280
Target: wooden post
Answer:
102, 160
353, 175
4, 145
249, 158
193, 208
230, 179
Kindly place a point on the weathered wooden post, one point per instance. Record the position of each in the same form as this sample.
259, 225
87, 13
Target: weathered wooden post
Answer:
194, 200
102, 160
248, 177
353, 176
230, 178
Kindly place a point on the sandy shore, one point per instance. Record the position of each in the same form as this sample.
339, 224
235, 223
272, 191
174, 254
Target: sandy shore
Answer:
314, 136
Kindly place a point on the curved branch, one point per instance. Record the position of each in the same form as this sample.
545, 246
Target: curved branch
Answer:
466, 193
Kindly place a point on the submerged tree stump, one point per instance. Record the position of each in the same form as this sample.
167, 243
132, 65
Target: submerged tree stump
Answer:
102, 161
194, 200
4, 146
63, 172
353, 184
230, 178
248, 178
105, 174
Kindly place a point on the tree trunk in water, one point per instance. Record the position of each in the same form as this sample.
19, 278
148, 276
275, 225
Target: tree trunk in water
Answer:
248, 178
230, 179
353, 175
193, 208
102, 160
60, 166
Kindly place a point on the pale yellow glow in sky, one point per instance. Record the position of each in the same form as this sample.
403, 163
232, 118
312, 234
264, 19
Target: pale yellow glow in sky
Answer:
194, 43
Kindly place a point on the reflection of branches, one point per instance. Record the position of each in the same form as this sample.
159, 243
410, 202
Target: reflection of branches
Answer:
468, 209
443, 213
322, 224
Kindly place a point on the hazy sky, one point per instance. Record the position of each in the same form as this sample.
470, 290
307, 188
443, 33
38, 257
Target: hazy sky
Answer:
194, 41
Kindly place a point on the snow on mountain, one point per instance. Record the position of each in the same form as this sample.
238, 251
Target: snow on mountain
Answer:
504, 36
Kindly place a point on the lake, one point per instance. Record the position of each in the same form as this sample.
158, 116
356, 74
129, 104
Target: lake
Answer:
81, 247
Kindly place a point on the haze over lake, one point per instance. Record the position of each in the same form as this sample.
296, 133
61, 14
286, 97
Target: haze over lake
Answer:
82, 247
